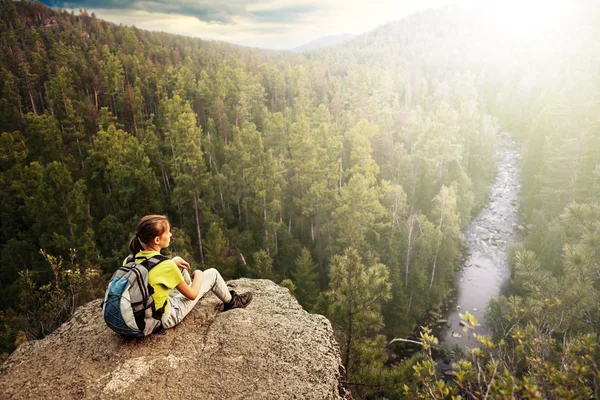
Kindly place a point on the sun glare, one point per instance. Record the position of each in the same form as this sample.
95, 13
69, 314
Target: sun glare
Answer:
529, 19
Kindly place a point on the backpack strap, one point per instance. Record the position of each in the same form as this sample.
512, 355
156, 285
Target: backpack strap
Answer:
153, 261
147, 263
158, 313
150, 263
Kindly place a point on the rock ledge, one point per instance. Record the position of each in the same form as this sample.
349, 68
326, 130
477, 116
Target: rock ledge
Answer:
272, 349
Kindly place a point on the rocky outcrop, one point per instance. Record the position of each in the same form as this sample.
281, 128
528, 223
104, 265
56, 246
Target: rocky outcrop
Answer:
272, 349
49, 22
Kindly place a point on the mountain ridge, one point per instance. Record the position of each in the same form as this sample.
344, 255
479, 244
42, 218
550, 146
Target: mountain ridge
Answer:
324, 41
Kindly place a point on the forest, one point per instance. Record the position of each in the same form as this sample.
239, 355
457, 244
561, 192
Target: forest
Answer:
345, 174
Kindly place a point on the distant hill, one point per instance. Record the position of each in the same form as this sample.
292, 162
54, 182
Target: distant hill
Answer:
324, 41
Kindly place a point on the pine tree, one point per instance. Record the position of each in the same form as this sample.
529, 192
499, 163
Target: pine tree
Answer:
111, 69
306, 280
44, 138
448, 236
353, 304
360, 197
218, 253
11, 108
59, 210
124, 169
262, 267
188, 167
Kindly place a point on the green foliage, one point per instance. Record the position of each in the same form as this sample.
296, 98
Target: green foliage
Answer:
306, 280
572, 287
353, 305
360, 206
110, 123
382, 146
43, 307
287, 283
54, 302
262, 267
119, 161
531, 364
552, 315
218, 252
59, 209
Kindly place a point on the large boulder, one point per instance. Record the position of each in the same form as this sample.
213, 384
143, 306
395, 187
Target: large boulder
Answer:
272, 349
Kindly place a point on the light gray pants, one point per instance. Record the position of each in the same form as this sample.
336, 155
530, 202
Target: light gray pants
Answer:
180, 306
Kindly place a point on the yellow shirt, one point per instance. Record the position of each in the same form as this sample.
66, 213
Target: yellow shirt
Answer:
163, 277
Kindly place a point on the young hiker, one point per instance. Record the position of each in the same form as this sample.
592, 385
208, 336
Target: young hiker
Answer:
153, 233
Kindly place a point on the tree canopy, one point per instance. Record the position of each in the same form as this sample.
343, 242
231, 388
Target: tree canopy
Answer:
347, 172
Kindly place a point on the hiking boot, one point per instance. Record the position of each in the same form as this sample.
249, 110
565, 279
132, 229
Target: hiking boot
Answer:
238, 300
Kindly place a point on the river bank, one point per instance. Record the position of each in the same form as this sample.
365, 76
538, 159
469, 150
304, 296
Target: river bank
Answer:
488, 238
483, 272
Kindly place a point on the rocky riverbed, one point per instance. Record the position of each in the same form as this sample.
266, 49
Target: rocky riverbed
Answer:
487, 239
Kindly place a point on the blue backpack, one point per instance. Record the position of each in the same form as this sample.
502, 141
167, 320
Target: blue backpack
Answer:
128, 305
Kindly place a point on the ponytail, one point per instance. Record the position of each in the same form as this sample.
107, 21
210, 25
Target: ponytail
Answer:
148, 227
135, 245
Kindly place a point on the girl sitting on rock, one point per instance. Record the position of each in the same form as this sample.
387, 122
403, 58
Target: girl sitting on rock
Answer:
153, 233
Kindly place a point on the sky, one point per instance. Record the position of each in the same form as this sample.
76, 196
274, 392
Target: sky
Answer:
270, 24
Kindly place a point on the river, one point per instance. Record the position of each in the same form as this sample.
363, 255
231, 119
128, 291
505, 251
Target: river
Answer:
487, 239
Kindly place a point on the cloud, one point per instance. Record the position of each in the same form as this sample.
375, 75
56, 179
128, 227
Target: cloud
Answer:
294, 13
211, 11
242, 31
274, 24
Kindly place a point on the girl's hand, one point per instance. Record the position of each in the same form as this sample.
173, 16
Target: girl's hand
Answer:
181, 263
